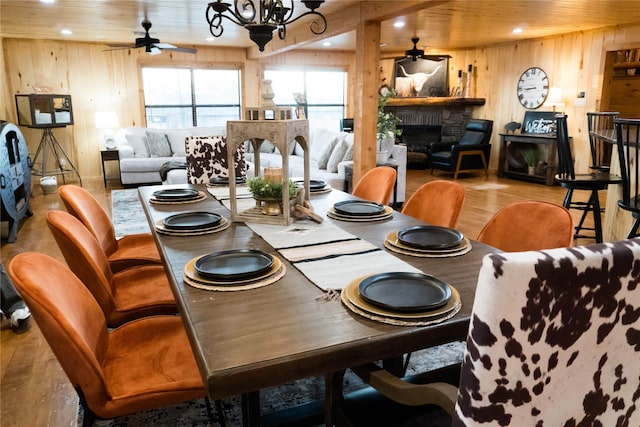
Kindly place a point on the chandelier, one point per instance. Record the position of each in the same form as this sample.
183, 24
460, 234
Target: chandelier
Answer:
263, 19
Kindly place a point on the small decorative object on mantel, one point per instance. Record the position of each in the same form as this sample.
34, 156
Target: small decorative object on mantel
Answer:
267, 94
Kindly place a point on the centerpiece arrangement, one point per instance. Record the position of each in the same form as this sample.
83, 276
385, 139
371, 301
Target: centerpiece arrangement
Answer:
268, 190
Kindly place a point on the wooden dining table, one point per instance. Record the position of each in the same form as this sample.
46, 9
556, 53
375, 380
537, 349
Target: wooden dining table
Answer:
245, 341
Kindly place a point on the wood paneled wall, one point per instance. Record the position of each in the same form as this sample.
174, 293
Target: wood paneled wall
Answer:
101, 80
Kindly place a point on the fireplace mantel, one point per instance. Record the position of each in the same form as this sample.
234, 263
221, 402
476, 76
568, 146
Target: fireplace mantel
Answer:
435, 102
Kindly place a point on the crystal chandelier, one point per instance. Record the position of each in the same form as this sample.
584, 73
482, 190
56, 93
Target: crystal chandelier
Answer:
263, 19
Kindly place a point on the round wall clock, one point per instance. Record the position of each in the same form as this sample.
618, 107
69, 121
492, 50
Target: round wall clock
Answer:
533, 87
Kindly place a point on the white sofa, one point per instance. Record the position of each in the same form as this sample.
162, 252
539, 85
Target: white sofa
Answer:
330, 151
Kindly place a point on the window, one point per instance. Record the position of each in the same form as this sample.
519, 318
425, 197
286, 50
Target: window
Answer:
324, 91
176, 98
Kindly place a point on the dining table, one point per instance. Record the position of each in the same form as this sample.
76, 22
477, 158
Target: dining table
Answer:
248, 340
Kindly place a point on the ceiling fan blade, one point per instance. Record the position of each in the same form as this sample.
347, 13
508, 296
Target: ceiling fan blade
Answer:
122, 45
164, 45
182, 49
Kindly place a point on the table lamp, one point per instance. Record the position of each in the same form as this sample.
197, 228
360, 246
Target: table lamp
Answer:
555, 98
108, 121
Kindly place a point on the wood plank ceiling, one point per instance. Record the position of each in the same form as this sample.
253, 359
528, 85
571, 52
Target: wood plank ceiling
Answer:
440, 25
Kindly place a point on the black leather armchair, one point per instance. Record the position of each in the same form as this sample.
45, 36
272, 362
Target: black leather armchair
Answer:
471, 153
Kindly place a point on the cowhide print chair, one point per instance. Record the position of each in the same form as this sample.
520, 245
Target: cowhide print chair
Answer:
207, 158
554, 340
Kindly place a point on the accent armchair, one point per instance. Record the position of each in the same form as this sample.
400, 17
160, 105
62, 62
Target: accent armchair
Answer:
471, 153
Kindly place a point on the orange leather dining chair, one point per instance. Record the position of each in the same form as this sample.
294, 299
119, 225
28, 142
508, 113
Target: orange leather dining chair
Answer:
123, 296
376, 185
437, 202
529, 226
144, 364
130, 250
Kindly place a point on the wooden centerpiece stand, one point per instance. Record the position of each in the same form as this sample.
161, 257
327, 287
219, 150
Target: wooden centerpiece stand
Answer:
283, 134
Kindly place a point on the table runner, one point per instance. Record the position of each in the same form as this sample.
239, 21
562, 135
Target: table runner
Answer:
327, 255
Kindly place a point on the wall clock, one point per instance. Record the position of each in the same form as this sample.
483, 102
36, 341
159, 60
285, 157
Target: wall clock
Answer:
533, 87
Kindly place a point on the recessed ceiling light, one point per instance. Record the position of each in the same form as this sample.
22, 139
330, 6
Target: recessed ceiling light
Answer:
210, 39
383, 44
66, 32
47, 1
326, 44
517, 30
398, 24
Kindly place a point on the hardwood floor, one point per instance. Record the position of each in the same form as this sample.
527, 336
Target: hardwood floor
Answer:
34, 390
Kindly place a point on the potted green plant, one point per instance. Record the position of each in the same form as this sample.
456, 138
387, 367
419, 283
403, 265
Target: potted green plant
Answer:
269, 193
531, 157
387, 125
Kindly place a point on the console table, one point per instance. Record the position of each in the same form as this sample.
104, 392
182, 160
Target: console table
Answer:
547, 147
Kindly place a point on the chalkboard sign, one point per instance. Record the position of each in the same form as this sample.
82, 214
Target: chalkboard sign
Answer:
539, 122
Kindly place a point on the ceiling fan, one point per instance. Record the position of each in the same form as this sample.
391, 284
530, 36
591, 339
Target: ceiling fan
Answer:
151, 45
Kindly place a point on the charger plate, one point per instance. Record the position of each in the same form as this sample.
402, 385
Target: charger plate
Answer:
395, 245
201, 196
191, 277
224, 224
386, 214
350, 297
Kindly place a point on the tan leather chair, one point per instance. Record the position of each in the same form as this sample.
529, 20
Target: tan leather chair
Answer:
376, 185
437, 202
130, 250
123, 296
529, 226
144, 364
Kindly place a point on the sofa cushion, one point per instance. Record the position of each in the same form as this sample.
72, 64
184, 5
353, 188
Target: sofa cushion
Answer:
336, 156
177, 139
137, 139
326, 154
158, 144
207, 158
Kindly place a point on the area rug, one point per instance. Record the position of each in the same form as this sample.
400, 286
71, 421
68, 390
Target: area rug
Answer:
128, 217
126, 213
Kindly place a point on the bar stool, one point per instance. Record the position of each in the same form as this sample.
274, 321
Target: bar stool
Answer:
601, 135
628, 138
593, 182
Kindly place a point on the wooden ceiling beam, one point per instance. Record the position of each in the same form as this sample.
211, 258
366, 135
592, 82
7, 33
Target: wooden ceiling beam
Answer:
341, 22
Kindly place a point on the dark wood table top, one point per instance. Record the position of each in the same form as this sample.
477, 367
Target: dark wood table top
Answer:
247, 340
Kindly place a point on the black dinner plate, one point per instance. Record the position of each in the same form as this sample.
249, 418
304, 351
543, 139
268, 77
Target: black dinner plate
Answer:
192, 220
224, 180
176, 194
430, 237
234, 264
405, 292
314, 184
358, 208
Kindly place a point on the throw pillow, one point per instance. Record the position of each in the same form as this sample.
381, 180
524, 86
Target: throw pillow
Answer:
267, 147
138, 141
158, 144
336, 156
176, 141
324, 157
348, 155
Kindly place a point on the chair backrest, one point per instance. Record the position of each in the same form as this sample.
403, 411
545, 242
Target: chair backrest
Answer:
207, 158
601, 123
528, 226
477, 131
376, 185
81, 204
437, 202
565, 157
68, 316
84, 256
553, 339
346, 125
627, 141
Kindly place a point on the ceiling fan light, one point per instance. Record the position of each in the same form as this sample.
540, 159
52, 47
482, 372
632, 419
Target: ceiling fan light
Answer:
312, 4
414, 53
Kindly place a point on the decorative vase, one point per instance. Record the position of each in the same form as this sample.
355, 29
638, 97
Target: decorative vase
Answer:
532, 170
381, 157
49, 184
267, 94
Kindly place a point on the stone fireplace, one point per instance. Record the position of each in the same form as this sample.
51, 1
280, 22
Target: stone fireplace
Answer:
427, 120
